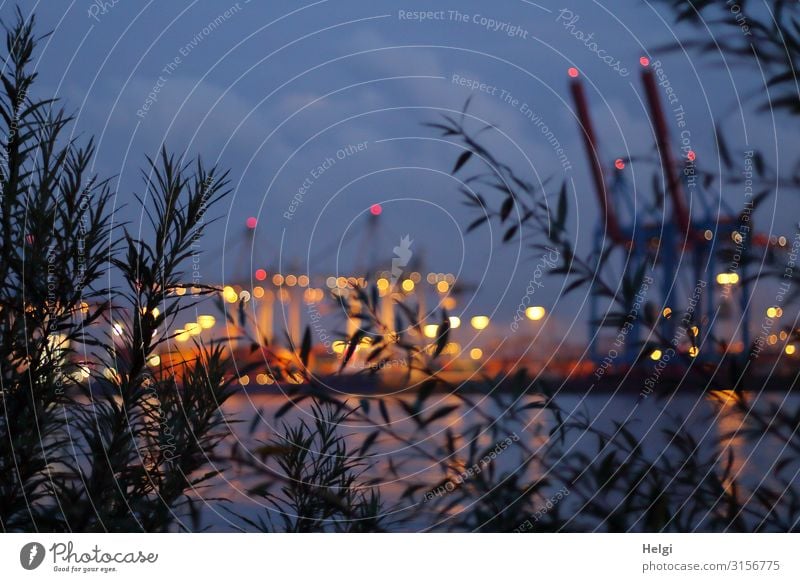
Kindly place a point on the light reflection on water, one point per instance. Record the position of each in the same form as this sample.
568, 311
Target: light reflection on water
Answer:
712, 422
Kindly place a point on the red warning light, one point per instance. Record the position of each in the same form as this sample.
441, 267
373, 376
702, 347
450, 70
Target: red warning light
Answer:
261, 274
251, 222
691, 155
619, 164
572, 72
644, 61
376, 209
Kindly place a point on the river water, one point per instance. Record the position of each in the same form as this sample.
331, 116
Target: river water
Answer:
713, 422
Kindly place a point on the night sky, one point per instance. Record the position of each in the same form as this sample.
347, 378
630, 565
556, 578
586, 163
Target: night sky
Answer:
283, 93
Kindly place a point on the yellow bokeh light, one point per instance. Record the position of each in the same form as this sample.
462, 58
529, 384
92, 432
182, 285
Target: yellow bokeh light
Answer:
476, 353
774, 312
154, 360
193, 328
480, 322
535, 313
727, 278
244, 380
180, 291
182, 336
452, 349
206, 321
790, 349
442, 286
455, 322
431, 331
693, 351
656, 355
154, 312
667, 313
383, 284
408, 285
339, 346
229, 294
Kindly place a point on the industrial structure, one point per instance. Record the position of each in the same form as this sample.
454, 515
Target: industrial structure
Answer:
677, 237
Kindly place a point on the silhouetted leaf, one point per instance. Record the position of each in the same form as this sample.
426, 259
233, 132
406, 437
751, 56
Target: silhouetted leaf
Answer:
305, 349
462, 159
505, 210
477, 222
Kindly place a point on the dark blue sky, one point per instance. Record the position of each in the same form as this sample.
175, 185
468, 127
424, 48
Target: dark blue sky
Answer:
272, 90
